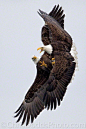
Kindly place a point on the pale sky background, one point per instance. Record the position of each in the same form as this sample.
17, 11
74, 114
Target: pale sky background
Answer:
20, 36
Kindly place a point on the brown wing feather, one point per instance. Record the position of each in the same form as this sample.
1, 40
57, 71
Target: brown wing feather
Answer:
64, 67
58, 81
29, 110
57, 14
56, 32
33, 102
45, 35
41, 78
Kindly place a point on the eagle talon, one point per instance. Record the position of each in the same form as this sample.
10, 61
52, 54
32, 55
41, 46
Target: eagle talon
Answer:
53, 63
43, 64
53, 59
40, 62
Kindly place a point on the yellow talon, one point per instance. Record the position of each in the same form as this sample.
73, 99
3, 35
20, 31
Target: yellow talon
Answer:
53, 63
43, 64
53, 58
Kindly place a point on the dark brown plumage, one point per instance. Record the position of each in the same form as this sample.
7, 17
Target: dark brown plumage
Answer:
51, 82
62, 72
33, 104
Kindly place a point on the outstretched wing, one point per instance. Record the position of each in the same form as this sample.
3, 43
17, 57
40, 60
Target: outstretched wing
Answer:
56, 32
57, 14
48, 93
33, 103
59, 79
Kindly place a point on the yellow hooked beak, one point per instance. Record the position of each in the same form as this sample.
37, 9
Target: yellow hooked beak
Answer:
40, 48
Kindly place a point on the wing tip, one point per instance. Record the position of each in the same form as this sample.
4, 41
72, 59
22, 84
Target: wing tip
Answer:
57, 14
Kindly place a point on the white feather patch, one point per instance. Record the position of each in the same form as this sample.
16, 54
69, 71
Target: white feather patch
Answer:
74, 54
48, 49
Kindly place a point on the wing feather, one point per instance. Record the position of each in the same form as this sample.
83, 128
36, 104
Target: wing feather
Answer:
28, 118
24, 118
56, 14
58, 81
33, 103
20, 115
19, 108
31, 109
56, 32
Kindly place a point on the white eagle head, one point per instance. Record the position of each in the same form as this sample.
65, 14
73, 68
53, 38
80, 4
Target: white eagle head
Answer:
35, 59
47, 48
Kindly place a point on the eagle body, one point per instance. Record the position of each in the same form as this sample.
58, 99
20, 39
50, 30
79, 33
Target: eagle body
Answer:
52, 79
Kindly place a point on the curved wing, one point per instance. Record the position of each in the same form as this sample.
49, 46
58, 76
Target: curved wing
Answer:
57, 14
33, 102
59, 79
56, 32
64, 67
49, 92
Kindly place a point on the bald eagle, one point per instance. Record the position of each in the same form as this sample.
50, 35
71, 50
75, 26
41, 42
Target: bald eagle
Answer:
54, 69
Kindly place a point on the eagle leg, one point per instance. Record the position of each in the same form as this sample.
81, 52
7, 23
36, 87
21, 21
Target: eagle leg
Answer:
53, 61
43, 64
40, 62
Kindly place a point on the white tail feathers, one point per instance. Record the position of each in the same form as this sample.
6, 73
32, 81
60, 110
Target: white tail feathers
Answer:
74, 54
